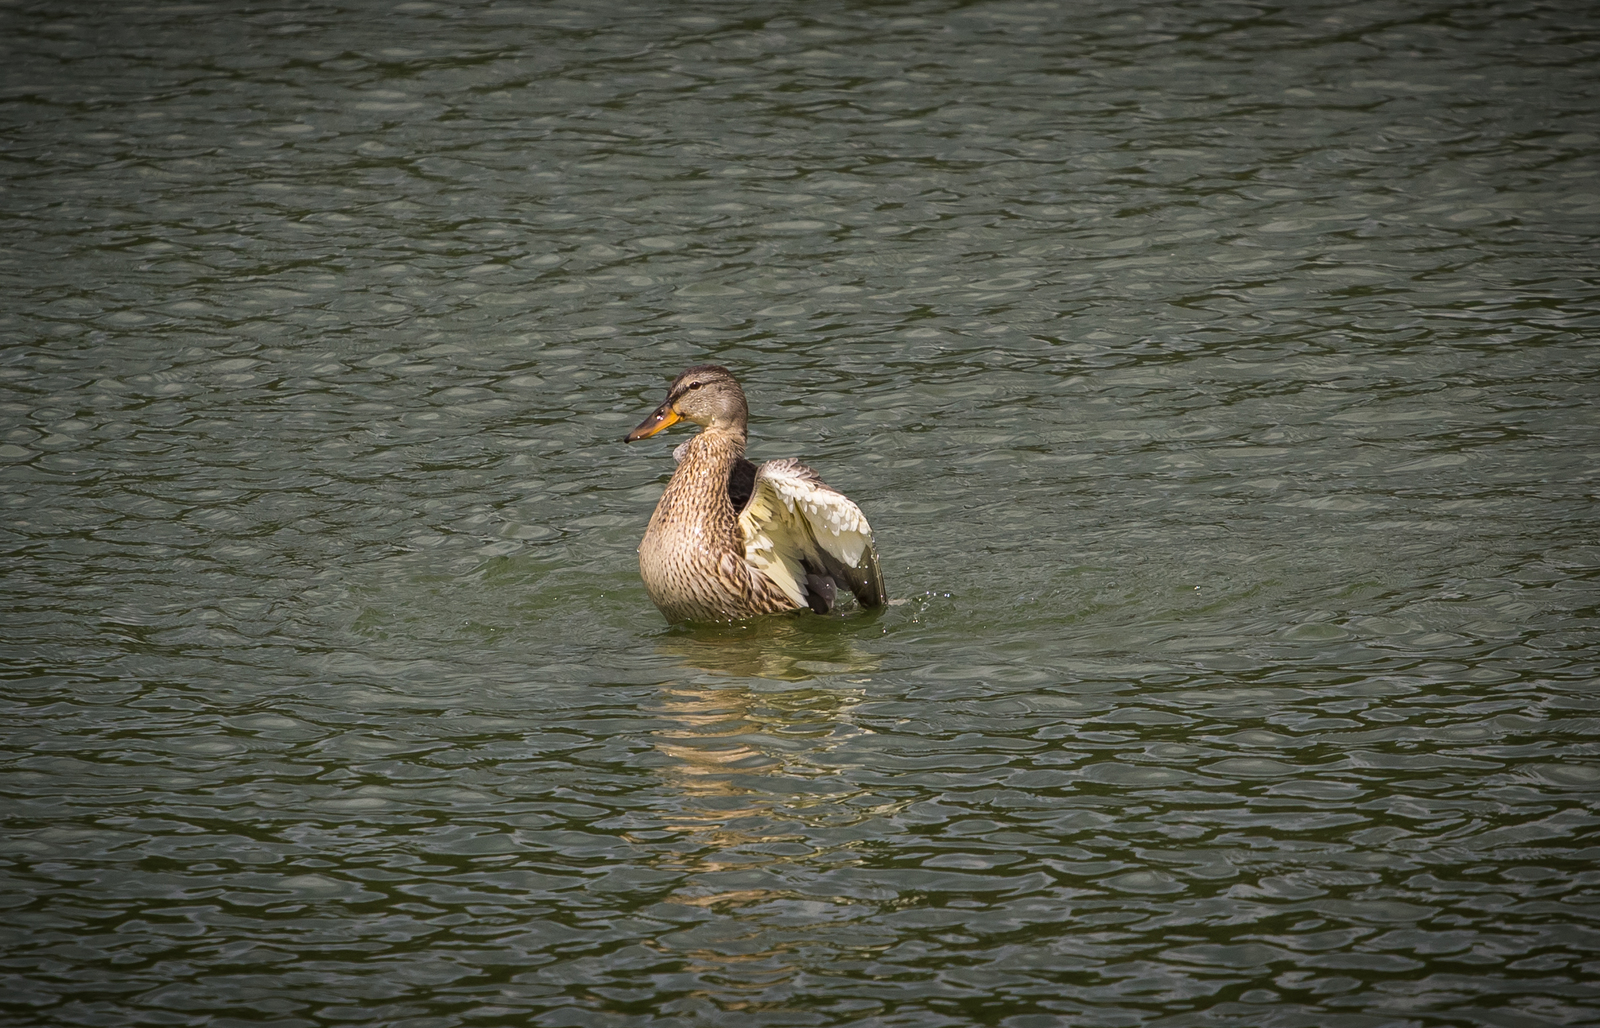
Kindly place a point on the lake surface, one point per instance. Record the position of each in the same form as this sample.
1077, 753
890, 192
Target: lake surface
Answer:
1220, 380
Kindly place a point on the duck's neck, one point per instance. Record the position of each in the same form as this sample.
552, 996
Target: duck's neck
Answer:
699, 488
719, 445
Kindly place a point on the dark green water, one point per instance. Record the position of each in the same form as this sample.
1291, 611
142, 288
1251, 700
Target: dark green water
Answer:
1220, 379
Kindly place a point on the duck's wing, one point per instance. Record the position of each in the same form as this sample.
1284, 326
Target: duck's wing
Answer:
809, 539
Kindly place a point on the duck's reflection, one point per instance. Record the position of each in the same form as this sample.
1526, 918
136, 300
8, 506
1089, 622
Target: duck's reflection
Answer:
785, 649
741, 743
761, 777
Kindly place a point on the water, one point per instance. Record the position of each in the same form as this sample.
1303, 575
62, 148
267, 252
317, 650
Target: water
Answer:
1219, 380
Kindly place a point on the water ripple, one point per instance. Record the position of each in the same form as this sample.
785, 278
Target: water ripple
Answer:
1218, 381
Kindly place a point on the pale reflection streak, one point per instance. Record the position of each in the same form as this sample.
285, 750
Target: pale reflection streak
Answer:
729, 741
785, 648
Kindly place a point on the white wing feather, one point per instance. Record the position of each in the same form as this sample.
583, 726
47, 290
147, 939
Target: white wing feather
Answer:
791, 514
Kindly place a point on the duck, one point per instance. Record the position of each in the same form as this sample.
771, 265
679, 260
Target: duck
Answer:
732, 540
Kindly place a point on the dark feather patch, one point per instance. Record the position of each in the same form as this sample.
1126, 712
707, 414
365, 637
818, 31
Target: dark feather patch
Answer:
741, 484
821, 592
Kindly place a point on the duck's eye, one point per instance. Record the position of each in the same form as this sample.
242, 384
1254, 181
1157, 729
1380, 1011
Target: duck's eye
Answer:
695, 385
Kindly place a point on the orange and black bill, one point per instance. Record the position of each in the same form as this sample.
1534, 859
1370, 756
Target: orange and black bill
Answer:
664, 417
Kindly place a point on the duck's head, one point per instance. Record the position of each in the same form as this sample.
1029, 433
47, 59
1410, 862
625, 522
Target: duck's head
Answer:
705, 394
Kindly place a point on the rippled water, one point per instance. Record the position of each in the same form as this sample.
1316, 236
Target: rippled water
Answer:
1220, 381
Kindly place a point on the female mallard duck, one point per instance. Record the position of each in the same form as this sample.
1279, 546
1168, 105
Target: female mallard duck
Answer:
731, 540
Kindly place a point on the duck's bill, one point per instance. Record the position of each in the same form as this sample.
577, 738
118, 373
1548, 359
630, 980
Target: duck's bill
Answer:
664, 417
